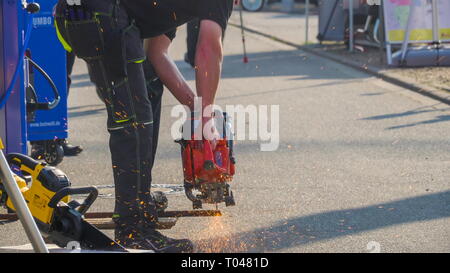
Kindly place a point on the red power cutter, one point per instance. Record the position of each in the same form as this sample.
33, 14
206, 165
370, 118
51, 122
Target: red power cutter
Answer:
207, 170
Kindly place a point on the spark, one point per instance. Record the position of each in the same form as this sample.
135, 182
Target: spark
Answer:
220, 236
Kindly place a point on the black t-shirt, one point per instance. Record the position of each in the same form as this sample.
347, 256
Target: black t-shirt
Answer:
157, 17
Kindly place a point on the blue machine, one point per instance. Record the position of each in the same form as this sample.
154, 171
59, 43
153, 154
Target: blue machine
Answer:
36, 108
47, 127
12, 104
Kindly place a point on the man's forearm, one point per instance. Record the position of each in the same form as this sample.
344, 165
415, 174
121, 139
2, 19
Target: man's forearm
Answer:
208, 61
167, 70
207, 75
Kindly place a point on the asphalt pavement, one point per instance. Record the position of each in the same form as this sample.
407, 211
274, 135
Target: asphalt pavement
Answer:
362, 164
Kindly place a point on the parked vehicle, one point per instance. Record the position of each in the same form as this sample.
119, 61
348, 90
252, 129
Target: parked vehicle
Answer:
257, 5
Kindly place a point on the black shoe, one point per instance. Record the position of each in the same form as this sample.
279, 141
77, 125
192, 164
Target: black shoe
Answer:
70, 150
153, 240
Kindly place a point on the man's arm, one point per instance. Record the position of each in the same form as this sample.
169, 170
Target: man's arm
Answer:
157, 52
208, 61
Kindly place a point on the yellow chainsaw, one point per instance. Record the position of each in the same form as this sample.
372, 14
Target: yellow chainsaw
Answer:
47, 195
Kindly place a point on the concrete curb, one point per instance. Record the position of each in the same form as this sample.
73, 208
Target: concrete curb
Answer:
402, 81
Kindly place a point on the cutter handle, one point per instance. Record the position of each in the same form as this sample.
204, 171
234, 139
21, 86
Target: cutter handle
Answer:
22, 161
92, 191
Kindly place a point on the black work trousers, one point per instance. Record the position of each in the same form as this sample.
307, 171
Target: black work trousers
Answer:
193, 28
110, 44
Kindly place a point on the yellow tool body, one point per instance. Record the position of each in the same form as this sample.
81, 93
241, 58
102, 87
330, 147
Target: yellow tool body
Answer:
47, 195
45, 182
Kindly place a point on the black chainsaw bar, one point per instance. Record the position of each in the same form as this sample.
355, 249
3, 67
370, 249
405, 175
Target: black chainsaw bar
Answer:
85, 230
96, 240
70, 229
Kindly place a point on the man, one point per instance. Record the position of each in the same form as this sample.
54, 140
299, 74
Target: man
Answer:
107, 35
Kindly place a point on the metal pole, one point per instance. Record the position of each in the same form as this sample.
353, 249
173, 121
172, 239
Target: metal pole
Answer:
307, 22
245, 58
351, 25
389, 53
21, 207
385, 34
406, 41
436, 36
381, 30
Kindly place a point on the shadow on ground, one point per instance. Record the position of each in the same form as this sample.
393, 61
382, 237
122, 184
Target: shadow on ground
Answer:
332, 224
262, 65
417, 111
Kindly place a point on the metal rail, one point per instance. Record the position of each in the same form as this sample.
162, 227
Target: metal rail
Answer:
165, 214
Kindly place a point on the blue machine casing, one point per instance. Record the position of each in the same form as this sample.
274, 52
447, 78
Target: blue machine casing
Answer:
48, 53
12, 32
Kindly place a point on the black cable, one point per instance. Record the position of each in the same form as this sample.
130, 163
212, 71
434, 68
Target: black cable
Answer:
55, 102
